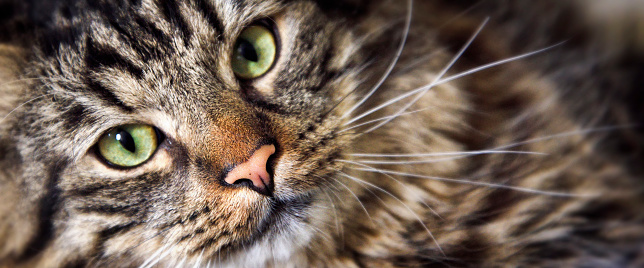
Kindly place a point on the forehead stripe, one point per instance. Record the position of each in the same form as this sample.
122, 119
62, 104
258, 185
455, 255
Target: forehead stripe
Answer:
208, 12
172, 13
99, 56
106, 94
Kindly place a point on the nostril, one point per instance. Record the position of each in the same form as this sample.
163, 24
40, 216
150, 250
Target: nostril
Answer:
243, 182
253, 173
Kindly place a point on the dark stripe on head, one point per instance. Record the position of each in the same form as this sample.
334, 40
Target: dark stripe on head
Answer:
105, 94
120, 18
98, 56
125, 210
208, 12
52, 40
172, 13
145, 52
155, 32
48, 207
74, 115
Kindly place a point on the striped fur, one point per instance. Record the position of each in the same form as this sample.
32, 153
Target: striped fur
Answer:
533, 163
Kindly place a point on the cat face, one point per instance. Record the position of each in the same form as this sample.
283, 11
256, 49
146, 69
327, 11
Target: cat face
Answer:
147, 111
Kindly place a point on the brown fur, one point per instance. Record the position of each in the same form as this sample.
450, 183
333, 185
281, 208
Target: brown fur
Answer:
577, 202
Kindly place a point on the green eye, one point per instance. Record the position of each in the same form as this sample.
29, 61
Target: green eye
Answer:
254, 52
128, 145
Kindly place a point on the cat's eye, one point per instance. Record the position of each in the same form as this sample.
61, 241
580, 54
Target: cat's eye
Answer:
254, 52
128, 145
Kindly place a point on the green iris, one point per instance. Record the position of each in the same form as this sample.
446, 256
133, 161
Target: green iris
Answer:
254, 52
128, 145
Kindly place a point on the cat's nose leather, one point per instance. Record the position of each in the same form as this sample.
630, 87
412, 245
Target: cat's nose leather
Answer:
254, 171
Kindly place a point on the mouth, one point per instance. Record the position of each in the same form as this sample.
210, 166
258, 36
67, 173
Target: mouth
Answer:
283, 216
283, 212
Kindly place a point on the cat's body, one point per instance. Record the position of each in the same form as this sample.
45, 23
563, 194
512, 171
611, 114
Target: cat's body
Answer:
532, 162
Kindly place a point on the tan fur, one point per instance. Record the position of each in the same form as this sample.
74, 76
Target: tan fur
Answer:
548, 189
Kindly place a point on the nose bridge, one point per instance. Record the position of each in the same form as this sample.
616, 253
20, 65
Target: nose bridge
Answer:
233, 138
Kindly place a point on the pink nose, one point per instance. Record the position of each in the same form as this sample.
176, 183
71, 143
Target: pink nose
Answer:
254, 171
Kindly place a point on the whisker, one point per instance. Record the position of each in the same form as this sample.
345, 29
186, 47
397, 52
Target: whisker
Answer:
418, 61
54, 80
566, 134
338, 228
391, 65
477, 183
183, 261
359, 202
425, 161
219, 257
374, 32
497, 150
461, 14
381, 119
445, 154
445, 80
23, 104
160, 258
399, 182
449, 65
401, 202
150, 261
438, 77
199, 259
496, 63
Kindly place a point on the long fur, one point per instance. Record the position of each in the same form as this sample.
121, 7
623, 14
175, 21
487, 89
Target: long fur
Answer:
408, 134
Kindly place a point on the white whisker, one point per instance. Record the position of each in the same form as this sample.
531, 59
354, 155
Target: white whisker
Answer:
380, 119
437, 79
418, 61
414, 162
150, 261
358, 199
23, 104
391, 65
183, 261
199, 259
564, 134
496, 63
476, 183
397, 181
445, 154
401, 202
424, 88
53, 80
335, 213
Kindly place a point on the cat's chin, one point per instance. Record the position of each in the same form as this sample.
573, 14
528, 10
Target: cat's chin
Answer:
282, 232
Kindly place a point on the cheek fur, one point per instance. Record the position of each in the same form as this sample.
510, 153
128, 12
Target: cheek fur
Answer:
505, 160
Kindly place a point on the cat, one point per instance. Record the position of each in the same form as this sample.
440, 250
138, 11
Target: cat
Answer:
241, 133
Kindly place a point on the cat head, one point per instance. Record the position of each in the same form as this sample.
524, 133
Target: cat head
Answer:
142, 110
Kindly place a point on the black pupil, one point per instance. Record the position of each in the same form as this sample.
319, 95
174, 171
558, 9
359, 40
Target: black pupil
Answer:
126, 140
247, 50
